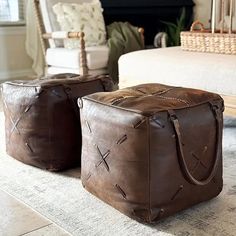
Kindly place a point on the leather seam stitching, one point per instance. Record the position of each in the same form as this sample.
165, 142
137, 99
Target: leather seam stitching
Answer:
149, 170
102, 103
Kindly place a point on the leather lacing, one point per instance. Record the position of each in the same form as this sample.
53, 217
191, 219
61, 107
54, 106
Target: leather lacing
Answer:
16, 122
158, 94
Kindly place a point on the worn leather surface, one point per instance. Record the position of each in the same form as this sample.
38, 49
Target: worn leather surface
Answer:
152, 150
42, 118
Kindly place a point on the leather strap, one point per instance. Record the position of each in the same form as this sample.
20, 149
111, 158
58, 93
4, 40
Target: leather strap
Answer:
183, 165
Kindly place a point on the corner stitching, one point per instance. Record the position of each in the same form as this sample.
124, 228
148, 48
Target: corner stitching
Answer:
50, 110
149, 169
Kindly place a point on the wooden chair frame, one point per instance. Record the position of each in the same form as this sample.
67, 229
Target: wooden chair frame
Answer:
44, 37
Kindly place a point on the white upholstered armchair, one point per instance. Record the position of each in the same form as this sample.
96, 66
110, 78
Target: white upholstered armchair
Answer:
58, 58
76, 51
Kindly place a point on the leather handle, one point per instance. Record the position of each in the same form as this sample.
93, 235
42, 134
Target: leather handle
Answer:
183, 164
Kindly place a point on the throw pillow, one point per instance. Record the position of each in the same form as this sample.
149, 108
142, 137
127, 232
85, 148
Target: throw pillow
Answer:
86, 17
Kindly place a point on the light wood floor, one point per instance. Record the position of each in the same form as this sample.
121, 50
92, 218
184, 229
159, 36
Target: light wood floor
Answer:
18, 219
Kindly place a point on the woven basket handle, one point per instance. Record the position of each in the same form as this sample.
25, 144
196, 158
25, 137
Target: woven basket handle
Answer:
183, 165
197, 23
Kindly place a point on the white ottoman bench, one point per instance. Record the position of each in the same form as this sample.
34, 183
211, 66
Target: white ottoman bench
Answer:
172, 66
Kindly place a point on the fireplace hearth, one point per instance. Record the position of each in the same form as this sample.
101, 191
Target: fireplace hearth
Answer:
147, 13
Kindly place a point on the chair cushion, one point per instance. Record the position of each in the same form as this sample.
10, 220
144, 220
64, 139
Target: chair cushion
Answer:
49, 17
97, 57
86, 17
53, 70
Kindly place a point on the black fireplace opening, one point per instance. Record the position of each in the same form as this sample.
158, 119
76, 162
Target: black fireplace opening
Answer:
148, 14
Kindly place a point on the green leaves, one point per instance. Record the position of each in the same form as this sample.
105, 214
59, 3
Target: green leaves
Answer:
173, 30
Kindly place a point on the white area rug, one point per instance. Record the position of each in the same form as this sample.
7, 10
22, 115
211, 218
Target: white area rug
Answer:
62, 199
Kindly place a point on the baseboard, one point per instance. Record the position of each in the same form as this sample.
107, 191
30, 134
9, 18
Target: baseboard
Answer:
5, 75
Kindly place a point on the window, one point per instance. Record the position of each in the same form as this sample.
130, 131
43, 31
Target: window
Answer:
11, 12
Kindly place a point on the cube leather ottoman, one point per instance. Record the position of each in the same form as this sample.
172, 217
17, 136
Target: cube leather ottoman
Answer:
42, 119
152, 150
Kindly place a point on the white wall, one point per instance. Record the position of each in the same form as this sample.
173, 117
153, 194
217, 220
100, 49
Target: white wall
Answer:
202, 11
14, 61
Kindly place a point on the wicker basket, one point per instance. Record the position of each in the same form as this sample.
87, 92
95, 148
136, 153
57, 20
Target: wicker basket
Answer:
205, 41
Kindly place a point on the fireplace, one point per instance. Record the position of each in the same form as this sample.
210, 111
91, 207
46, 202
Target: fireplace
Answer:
147, 13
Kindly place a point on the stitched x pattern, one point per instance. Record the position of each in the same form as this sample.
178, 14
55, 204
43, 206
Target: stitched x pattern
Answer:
199, 162
103, 158
15, 123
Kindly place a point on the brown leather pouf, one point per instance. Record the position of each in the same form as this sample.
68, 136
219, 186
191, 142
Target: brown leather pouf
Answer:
42, 118
152, 150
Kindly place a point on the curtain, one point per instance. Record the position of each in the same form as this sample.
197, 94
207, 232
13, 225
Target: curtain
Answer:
33, 44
